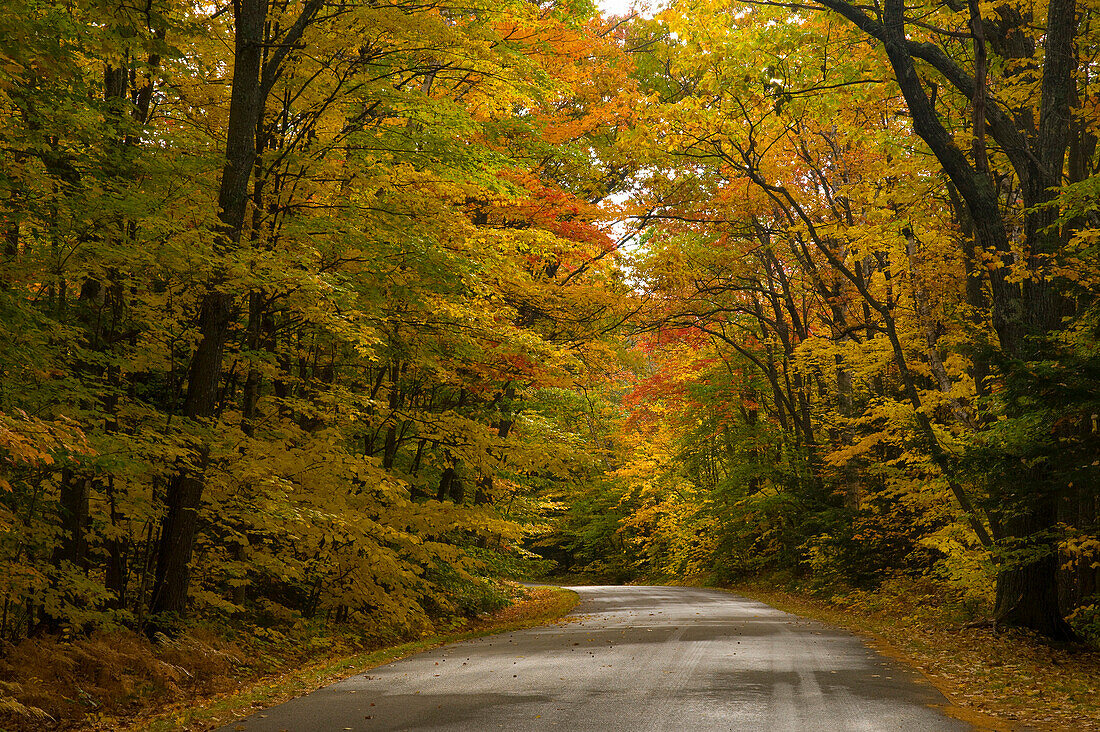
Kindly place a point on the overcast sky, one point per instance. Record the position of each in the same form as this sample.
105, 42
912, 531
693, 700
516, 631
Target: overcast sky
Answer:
622, 7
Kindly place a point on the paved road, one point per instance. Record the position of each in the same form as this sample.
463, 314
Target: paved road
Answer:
634, 659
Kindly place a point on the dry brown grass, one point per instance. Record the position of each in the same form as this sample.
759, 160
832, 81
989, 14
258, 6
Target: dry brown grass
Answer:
67, 683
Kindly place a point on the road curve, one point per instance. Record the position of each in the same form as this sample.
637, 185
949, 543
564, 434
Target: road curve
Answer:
633, 659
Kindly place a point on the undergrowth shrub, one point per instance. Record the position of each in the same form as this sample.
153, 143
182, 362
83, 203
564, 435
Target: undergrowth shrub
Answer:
1086, 621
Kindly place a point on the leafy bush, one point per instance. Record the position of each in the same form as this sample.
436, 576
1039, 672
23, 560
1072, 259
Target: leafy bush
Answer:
1086, 621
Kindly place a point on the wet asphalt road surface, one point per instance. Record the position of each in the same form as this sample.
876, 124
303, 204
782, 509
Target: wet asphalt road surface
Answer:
633, 659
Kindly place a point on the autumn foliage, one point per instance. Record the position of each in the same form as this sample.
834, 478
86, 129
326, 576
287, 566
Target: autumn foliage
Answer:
328, 312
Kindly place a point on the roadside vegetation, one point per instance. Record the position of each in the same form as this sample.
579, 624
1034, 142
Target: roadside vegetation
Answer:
212, 675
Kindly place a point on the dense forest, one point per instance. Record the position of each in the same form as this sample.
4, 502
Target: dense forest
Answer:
338, 311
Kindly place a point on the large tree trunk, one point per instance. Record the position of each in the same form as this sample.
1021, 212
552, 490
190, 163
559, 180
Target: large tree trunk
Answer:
184, 495
1027, 588
450, 487
1027, 591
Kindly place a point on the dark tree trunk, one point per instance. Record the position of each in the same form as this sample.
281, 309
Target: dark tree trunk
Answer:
172, 577
184, 495
117, 551
417, 458
254, 74
254, 342
75, 491
1027, 590
395, 401
450, 487
483, 493
72, 551
445, 481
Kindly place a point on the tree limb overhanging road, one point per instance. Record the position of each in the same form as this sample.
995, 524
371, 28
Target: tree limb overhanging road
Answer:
634, 658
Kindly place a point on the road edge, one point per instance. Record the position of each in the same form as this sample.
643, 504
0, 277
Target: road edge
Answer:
211, 713
982, 721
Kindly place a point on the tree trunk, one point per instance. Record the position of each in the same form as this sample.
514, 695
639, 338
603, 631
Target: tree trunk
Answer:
251, 84
450, 487
1027, 588
74, 519
117, 552
1027, 591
